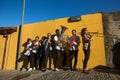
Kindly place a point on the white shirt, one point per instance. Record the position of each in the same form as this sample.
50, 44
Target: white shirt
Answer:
28, 45
56, 39
27, 53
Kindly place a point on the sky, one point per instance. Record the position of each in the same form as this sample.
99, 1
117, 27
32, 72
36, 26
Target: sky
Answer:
43, 10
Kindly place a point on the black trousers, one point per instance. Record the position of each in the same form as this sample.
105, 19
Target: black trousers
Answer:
57, 53
65, 58
25, 62
87, 55
40, 57
40, 62
46, 55
71, 57
33, 60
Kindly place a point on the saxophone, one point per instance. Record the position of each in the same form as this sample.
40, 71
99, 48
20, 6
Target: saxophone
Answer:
47, 43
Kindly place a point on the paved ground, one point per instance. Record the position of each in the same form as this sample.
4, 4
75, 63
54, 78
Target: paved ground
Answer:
95, 74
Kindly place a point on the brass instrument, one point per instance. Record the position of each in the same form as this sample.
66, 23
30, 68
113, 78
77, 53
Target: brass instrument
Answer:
61, 34
62, 31
97, 34
48, 42
94, 33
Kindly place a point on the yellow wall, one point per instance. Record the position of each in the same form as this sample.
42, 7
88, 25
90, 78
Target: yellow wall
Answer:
11, 49
92, 21
2, 43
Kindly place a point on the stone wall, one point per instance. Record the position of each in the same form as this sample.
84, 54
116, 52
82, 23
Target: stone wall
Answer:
111, 26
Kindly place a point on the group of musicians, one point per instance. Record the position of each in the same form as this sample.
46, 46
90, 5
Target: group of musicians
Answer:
38, 51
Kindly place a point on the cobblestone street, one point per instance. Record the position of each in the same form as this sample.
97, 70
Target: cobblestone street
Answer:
95, 74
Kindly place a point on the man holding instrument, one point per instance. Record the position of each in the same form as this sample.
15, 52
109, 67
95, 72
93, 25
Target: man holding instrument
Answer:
86, 40
57, 48
74, 42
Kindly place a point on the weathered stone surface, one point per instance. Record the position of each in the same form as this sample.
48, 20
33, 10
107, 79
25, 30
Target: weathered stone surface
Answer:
111, 27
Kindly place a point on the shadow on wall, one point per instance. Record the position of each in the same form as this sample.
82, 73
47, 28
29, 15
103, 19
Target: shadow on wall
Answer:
63, 59
116, 55
22, 56
22, 53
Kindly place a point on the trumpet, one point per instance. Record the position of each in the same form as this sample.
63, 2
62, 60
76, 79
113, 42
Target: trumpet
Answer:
93, 32
96, 33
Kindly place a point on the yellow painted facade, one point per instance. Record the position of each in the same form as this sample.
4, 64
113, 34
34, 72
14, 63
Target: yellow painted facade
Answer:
11, 49
92, 21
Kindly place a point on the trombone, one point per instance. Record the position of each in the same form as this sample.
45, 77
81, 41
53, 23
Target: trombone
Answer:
97, 33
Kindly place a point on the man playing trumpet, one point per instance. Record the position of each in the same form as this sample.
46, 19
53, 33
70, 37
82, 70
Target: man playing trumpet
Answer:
86, 39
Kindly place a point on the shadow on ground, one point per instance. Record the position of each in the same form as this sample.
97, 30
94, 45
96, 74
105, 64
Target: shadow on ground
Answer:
106, 69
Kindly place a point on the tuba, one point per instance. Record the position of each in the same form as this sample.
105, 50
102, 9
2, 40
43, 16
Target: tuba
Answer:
63, 29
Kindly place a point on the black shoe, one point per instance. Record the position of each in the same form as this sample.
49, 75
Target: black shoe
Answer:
43, 70
71, 68
64, 67
49, 68
86, 71
40, 68
74, 69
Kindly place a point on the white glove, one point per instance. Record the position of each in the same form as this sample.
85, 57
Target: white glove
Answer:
74, 43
